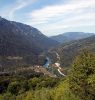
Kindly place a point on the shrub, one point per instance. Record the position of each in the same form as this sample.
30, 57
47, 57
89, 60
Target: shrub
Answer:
14, 87
82, 76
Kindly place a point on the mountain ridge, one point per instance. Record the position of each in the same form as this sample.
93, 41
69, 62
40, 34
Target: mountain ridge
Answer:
71, 36
22, 36
70, 50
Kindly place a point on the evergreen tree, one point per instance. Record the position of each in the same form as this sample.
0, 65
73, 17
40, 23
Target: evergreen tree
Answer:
82, 76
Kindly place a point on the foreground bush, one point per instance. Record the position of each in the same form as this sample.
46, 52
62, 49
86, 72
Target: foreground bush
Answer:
14, 88
78, 85
82, 76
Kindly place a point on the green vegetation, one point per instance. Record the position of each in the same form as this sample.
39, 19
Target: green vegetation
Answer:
68, 51
78, 85
16, 85
9, 63
82, 76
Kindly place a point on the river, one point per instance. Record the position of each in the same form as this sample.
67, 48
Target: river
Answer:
48, 62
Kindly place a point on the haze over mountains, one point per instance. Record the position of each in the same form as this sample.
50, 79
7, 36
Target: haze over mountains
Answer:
71, 36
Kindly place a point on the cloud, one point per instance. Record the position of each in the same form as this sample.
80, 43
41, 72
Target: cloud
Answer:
53, 19
50, 12
64, 16
11, 9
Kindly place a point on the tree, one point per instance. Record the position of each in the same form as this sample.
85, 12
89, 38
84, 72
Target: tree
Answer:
33, 83
82, 76
14, 87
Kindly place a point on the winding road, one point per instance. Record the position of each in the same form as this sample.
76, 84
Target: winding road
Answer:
58, 65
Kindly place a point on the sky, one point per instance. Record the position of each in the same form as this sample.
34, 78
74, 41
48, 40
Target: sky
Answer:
52, 17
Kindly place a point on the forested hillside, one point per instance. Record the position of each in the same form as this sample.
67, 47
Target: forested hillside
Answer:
69, 51
21, 45
17, 39
78, 85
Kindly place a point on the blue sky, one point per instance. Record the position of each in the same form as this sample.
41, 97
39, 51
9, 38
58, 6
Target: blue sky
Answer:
52, 17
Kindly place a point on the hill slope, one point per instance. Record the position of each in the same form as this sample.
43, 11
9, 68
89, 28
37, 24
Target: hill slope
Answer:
70, 36
69, 51
21, 45
17, 39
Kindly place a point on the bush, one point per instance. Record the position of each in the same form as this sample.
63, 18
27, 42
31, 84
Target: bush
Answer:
7, 96
82, 76
33, 82
3, 85
14, 87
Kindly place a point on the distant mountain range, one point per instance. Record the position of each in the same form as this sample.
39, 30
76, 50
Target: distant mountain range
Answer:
17, 39
70, 50
70, 36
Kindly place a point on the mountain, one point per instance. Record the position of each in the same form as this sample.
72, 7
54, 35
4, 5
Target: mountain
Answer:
70, 36
69, 51
17, 39
21, 44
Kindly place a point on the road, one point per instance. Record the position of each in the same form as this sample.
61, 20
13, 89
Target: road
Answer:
58, 65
